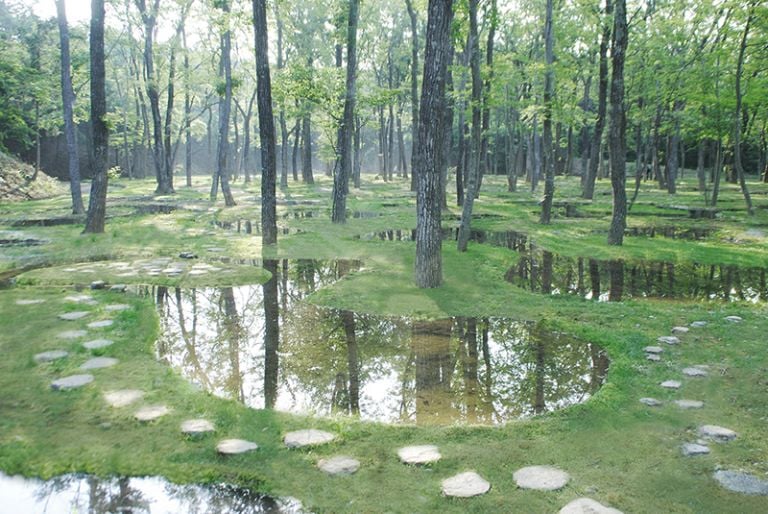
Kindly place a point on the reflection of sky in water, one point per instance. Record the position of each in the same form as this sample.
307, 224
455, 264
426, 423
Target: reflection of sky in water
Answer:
439, 372
146, 495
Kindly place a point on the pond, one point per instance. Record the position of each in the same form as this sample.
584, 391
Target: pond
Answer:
137, 495
267, 347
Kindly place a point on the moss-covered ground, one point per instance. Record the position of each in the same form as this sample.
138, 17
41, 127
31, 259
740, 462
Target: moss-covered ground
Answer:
617, 450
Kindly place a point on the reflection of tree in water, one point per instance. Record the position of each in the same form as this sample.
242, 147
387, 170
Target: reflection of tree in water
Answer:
92, 494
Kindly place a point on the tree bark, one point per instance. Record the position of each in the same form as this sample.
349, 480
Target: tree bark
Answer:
737, 164
549, 91
414, 90
618, 141
225, 106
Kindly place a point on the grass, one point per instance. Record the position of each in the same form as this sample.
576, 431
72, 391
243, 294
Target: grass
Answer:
616, 450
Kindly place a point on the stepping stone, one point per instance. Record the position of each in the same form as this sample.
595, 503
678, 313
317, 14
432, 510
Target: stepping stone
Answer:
98, 284
694, 372
309, 437
118, 288
197, 272
653, 357
717, 433
28, 302
196, 427
680, 330
235, 446
465, 485
71, 382
151, 413
669, 339
740, 482
421, 454
650, 402
101, 324
73, 316
116, 307
51, 356
541, 478
692, 449
671, 384
80, 298
98, 363
734, 319
653, 349
339, 465
172, 271
187, 255
698, 324
97, 344
587, 506
689, 404
123, 397
71, 334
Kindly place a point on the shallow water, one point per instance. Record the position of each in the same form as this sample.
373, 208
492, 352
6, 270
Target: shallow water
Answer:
265, 346
68, 494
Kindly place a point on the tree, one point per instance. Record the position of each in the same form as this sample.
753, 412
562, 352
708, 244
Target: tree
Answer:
427, 166
618, 140
266, 126
549, 89
97, 205
737, 114
68, 100
414, 87
341, 180
221, 173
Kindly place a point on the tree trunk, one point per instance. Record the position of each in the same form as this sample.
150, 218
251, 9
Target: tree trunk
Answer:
674, 144
97, 205
549, 91
68, 100
187, 112
225, 107
414, 90
283, 126
429, 268
486, 123
618, 142
738, 167
306, 150
271, 334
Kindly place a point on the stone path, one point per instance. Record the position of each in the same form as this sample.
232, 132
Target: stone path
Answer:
235, 446
308, 437
422, 454
151, 413
465, 485
587, 506
197, 427
541, 478
339, 465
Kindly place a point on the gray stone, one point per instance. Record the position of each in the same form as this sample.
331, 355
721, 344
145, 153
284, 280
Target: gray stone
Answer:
173, 271
717, 433
465, 485
198, 272
118, 288
29, 302
73, 316
112, 307
689, 404
740, 482
71, 334
653, 357
339, 465
734, 319
691, 449
235, 446
650, 402
698, 324
97, 344
309, 437
53, 355
98, 284
679, 330
587, 506
80, 298
197, 426
694, 372
541, 478
669, 339
104, 323
671, 384
419, 454
151, 412
123, 397
71, 382
99, 362
653, 349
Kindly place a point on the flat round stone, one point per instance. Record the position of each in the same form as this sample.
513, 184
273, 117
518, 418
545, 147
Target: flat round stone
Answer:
97, 344
196, 426
112, 307
650, 402
339, 465
53, 355
420, 454
671, 384
73, 316
151, 412
80, 298
71, 382
309, 437
197, 272
118, 288
698, 324
694, 372
734, 319
669, 339
653, 357
98, 284
71, 334
235, 446
739, 482
680, 330
692, 449
465, 485
29, 302
104, 323
99, 362
717, 433
653, 349
689, 404
123, 397
587, 506
541, 478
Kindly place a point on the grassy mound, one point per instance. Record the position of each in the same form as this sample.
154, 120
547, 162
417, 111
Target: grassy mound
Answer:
18, 181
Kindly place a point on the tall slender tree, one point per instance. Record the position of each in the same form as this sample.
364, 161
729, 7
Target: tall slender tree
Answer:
737, 114
221, 173
618, 127
549, 91
414, 87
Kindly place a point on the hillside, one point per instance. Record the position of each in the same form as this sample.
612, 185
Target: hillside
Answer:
16, 182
